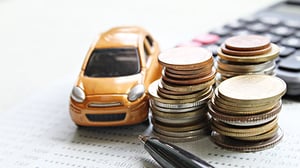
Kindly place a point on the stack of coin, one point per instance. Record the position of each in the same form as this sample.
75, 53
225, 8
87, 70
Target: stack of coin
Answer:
178, 100
247, 54
244, 112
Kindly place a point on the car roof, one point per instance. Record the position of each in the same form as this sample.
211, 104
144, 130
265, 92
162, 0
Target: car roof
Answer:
121, 37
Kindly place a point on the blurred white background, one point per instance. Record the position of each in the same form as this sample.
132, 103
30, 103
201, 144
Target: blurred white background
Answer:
44, 41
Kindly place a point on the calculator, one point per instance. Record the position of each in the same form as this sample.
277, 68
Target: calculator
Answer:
281, 24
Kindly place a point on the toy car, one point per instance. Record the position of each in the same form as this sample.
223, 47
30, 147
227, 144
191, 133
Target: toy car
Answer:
111, 89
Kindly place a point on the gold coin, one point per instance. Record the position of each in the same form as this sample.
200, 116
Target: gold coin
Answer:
242, 131
247, 43
193, 81
254, 104
188, 88
246, 146
242, 110
261, 137
166, 91
252, 88
244, 120
254, 59
186, 58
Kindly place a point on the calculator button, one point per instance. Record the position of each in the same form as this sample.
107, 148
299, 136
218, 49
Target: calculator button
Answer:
282, 31
273, 38
297, 34
221, 31
292, 24
241, 32
291, 42
248, 19
206, 39
273, 21
291, 63
235, 25
258, 27
286, 51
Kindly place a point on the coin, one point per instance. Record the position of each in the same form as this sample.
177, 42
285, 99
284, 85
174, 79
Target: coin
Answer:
245, 53
252, 88
180, 139
247, 43
253, 59
201, 74
246, 146
175, 128
193, 81
187, 88
152, 90
244, 67
242, 131
202, 71
180, 134
237, 110
182, 105
168, 110
244, 120
199, 94
185, 58
261, 137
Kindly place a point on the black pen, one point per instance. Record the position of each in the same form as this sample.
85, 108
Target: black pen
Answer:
171, 156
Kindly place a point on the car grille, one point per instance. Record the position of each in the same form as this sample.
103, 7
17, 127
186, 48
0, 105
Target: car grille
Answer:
108, 104
106, 117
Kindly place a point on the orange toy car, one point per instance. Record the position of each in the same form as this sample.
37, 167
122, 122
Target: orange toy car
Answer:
113, 81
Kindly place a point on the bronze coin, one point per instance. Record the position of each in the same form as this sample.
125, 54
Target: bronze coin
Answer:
187, 88
247, 43
251, 59
202, 71
245, 53
194, 81
186, 58
187, 76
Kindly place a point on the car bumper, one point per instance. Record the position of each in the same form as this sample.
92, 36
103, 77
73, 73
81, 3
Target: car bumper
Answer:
102, 114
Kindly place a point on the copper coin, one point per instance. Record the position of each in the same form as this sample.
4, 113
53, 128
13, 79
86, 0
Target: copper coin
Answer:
252, 59
171, 92
202, 71
186, 58
245, 53
247, 43
194, 81
187, 76
187, 88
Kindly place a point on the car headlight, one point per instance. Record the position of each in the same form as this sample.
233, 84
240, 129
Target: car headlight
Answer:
136, 92
77, 94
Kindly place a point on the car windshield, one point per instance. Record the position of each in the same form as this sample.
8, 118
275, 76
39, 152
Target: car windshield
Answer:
113, 62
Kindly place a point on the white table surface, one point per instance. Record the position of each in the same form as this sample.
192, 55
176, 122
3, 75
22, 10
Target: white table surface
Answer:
44, 41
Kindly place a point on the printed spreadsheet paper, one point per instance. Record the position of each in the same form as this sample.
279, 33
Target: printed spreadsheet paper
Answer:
39, 133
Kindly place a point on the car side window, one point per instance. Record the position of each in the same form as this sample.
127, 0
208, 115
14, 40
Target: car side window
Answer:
148, 45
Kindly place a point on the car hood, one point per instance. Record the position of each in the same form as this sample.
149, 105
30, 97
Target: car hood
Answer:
116, 85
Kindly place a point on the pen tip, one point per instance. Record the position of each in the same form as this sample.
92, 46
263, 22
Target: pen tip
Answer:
143, 138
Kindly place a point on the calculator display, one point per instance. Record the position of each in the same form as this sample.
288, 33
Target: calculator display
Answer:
286, 8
